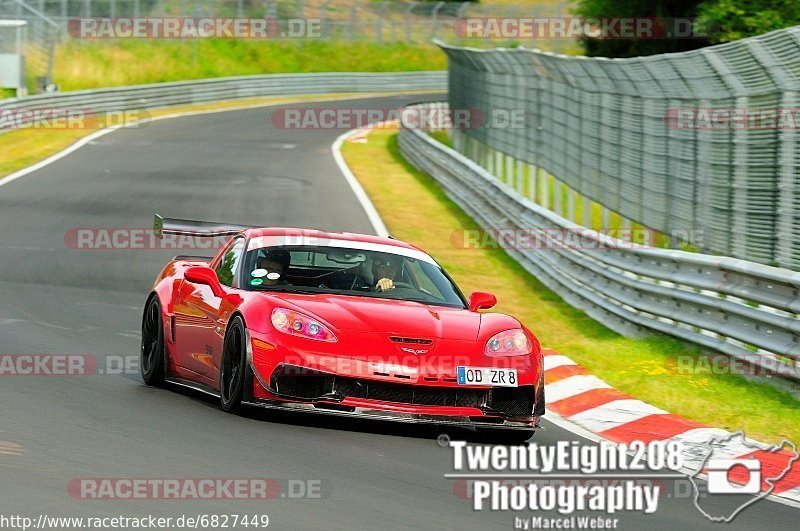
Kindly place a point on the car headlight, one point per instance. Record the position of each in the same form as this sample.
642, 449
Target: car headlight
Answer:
509, 343
298, 324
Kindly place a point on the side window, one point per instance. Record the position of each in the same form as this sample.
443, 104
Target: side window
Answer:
228, 266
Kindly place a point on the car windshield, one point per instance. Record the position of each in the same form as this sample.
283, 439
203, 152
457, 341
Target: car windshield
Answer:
408, 275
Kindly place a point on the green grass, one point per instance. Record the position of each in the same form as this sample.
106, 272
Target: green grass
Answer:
441, 136
645, 368
92, 64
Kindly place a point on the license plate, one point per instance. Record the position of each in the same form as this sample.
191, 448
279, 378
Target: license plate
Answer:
487, 376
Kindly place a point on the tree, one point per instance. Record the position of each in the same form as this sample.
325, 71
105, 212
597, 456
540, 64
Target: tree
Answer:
728, 20
664, 10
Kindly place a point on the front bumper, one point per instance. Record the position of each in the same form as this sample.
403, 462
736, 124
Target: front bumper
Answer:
294, 388
468, 422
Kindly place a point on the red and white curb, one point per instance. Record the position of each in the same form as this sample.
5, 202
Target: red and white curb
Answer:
586, 401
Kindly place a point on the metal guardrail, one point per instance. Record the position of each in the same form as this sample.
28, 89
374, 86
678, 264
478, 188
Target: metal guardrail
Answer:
746, 310
612, 130
230, 88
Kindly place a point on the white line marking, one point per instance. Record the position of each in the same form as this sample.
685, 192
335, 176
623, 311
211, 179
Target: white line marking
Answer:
9, 448
559, 421
572, 386
557, 360
102, 132
614, 414
358, 190
792, 494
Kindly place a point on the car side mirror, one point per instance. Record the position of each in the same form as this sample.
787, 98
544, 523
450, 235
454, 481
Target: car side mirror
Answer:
481, 301
207, 276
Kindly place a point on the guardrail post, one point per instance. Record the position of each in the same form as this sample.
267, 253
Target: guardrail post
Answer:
409, 21
544, 190
586, 209
533, 182
270, 9
787, 233
64, 24
435, 19
379, 22
625, 224
353, 25
558, 200
571, 207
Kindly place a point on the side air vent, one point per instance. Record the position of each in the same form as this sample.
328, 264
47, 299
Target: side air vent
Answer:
411, 340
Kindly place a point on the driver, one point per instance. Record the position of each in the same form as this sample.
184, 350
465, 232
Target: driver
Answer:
275, 261
387, 269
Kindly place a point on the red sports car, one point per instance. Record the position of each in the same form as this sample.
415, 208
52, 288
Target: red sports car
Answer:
337, 323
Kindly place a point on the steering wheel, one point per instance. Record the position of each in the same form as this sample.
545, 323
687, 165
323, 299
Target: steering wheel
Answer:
401, 285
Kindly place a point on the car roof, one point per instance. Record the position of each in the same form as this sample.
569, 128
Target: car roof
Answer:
318, 234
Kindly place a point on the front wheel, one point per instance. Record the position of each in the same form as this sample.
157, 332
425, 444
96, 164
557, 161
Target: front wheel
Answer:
152, 354
233, 372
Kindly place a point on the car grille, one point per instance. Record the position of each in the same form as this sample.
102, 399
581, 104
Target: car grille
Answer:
306, 384
411, 340
513, 401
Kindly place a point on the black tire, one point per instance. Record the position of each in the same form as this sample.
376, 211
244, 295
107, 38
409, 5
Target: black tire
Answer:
234, 374
151, 360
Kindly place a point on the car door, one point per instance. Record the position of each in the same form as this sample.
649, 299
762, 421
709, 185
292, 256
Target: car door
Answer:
201, 317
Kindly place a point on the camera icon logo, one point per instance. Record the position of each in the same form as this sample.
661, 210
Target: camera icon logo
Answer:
721, 482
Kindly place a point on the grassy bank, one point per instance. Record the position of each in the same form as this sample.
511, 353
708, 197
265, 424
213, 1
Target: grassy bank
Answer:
415, 209
92, 64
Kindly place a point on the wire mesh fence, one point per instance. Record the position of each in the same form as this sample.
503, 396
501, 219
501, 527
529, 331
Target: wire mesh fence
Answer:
702, 143
51, 22
387, 21
745, 310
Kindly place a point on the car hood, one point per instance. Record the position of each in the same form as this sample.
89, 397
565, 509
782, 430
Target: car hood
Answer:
393, 317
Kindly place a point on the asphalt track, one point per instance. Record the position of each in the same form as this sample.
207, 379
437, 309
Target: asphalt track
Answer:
232, 166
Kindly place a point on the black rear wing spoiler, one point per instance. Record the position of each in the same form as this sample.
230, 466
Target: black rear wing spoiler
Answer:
202, 229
